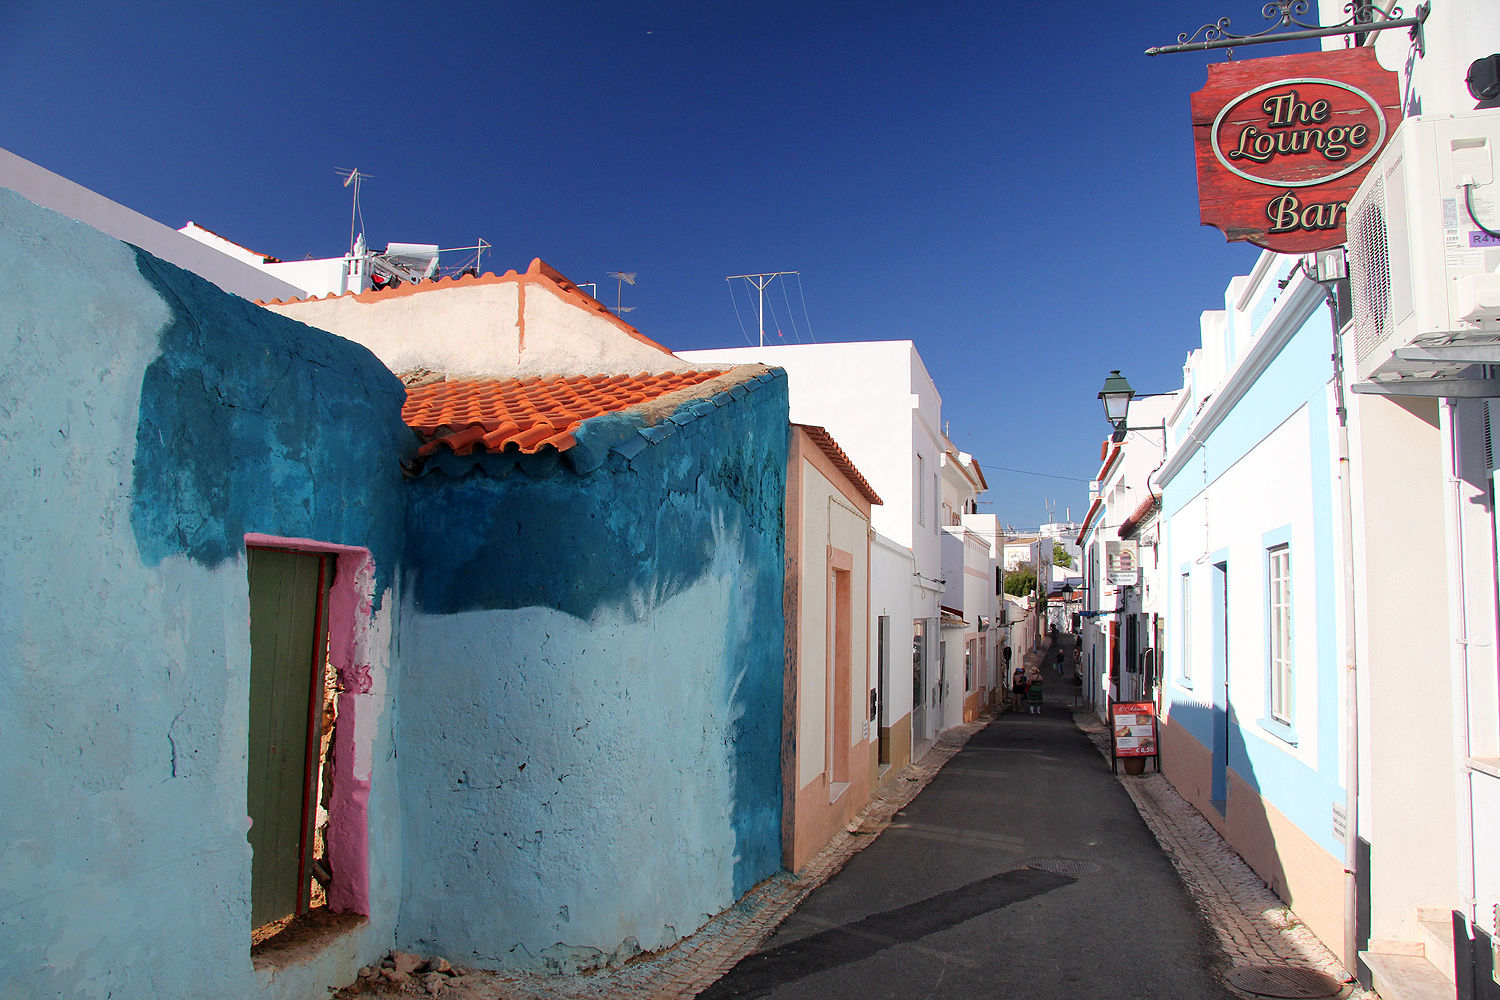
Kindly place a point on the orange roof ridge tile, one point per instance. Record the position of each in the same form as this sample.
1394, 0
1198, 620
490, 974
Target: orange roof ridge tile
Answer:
841, 461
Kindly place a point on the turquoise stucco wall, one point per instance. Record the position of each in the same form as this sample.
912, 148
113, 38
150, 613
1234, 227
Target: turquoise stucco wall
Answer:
590, 744
150, 420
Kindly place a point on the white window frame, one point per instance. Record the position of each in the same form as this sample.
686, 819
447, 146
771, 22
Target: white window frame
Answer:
1186, 617
921, 490
1279, 633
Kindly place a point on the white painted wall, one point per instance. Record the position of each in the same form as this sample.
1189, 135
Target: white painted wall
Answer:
477, 328
42, 187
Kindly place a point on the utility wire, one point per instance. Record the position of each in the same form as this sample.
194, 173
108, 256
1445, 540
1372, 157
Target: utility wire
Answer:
776, 322
736, 302
789, 316
1027, 472
806, 318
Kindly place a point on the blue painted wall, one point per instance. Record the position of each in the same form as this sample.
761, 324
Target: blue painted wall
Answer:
1296, 379
590, 744
150, 420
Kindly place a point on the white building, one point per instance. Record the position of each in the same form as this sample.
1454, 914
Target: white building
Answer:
879, 403
969, 599
1120, 572
1328, 531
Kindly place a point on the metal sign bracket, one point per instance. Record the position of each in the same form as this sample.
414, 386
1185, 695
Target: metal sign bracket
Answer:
1363, 19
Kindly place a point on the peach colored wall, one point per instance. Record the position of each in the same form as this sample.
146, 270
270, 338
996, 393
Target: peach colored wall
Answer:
810, 725
899, 735
817, 820
1188, 765
1304, 875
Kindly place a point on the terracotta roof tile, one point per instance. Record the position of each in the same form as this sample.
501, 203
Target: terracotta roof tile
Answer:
529, 414
841, 461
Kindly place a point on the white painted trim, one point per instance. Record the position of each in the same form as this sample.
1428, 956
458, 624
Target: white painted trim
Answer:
1302, 297
42, 187
1264, 265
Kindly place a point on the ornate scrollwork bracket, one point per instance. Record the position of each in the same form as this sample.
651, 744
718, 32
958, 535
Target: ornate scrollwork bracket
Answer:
1363, 19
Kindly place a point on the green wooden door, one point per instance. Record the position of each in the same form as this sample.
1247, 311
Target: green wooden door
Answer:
288, 640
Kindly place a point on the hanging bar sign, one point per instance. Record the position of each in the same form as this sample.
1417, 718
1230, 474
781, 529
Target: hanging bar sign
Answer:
1282, 144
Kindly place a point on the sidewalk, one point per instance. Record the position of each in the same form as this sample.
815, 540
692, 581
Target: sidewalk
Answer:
1253, 926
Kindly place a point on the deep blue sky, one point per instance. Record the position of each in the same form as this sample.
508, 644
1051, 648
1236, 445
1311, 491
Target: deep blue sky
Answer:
1009, 185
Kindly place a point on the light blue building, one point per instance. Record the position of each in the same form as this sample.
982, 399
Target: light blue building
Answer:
1252, 677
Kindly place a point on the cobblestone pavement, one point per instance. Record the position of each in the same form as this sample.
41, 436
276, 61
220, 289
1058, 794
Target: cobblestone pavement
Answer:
685, 969
1253, 925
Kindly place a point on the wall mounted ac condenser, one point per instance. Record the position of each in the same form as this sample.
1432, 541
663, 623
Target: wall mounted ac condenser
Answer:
1424, 274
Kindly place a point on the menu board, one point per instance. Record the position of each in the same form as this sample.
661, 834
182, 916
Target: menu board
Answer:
1133, 728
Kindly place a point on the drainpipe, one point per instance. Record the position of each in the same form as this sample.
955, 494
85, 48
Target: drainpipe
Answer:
1460, 633
1351, 673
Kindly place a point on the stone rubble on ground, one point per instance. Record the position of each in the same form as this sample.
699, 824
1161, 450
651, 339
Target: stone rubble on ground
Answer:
402, 972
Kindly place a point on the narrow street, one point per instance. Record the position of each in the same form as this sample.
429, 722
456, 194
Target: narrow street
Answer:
964, 894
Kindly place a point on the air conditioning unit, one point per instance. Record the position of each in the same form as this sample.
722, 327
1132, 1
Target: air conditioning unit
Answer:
1424, 274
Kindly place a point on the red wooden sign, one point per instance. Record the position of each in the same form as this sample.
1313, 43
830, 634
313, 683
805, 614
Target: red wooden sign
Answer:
1282, 144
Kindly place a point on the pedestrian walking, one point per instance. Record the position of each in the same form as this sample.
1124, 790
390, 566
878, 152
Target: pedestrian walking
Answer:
1034, 694
1059, 663
1017, 689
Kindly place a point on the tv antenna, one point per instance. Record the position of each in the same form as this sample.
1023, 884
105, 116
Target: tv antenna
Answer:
352, 178
622, 278
760, 281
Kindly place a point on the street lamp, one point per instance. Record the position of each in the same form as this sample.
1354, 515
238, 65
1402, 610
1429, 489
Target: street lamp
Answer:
1117, 395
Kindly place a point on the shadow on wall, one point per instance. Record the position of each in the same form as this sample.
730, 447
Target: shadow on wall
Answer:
237, 407
592, 698
1244, 819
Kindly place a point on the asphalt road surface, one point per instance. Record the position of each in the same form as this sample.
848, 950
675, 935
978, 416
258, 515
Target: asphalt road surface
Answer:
945, 904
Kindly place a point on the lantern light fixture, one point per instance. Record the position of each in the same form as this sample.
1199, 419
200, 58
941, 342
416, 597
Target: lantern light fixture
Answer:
1117, 395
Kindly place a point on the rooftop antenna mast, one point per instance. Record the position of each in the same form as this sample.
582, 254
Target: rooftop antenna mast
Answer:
760, 281
622, 278
352, 178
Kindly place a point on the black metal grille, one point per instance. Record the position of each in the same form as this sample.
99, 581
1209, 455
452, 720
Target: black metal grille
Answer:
1285, 981
1066, 866
1369, 271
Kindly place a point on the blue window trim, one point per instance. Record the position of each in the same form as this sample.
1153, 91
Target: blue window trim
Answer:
1276, 538
1184, 678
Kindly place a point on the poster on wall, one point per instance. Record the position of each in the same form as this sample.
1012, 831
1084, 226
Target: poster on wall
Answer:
1122, 562
1133, 728
1282, 144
